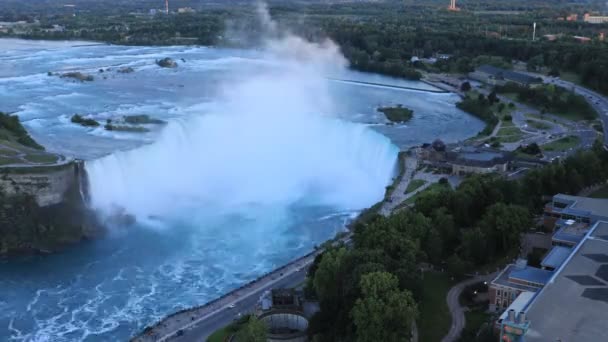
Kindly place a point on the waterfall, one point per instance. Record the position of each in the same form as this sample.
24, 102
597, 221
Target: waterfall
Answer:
227, 162
266, 139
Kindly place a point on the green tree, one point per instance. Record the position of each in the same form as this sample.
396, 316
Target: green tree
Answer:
465, 86
383, 313
254, 330
328, 276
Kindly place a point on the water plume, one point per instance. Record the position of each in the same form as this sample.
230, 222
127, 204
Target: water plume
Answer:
267, 140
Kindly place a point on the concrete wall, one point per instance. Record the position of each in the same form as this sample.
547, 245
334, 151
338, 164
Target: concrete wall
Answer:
286, 320
47, 184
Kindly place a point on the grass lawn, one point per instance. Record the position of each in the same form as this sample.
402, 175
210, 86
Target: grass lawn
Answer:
219, 335
474, 320
9, 160
538, 124
431, 188
600, 193
509, 130
41, 158
8, 152
562, 144
570, 77
505, 123
414, 184
435, 319
574, 116
509, 135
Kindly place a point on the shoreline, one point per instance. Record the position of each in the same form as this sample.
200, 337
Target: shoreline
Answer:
154, 332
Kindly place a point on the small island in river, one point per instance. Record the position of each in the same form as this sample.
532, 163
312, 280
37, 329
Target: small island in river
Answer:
398, 114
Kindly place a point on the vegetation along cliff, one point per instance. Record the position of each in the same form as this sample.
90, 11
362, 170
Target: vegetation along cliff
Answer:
42, 205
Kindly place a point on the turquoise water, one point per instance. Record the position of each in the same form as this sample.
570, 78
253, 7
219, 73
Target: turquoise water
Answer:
263, 158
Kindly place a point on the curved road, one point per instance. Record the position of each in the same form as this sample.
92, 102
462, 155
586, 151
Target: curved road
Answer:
456, 310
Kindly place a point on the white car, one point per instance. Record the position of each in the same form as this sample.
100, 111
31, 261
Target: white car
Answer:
232, 306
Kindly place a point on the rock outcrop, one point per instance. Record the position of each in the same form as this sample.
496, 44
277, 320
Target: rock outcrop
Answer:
42, 209
167, 63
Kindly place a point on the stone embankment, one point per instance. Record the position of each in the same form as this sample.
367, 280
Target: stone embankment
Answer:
42, 208
174, 324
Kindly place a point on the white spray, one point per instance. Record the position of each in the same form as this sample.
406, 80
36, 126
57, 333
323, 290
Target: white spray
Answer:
267, 141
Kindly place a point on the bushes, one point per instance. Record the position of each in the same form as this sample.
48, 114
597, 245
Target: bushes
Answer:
553, 99
480, 108
11, 123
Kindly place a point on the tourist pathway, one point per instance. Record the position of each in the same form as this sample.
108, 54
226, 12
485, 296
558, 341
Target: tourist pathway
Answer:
398, 195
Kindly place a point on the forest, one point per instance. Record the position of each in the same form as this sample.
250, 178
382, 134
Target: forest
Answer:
378, 37
460, 230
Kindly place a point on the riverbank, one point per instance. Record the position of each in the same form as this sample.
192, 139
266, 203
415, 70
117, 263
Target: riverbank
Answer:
178, 323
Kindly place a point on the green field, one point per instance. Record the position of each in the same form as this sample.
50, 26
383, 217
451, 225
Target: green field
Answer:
509, 134
431, 188
435, 320
220, 335
9, 160
41, 158
538, 125
600, 193
570, 77
562, 144
475, 319
414, 184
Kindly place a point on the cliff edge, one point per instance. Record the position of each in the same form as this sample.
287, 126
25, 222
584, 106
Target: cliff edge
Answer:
42, 196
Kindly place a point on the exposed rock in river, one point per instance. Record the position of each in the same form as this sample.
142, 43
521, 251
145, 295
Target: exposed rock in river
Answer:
78, 76
167, 63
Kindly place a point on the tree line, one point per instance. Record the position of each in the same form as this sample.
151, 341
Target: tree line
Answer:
369, 291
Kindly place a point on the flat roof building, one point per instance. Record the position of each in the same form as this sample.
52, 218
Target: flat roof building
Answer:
497, 76
468, 160
573, 306
512, 281
555, 258
595, 19
574, 209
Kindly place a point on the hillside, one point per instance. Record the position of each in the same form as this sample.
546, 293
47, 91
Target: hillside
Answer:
18, 148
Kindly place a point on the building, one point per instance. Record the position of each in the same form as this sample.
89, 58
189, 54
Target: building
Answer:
573, 304
550, 37
468, 160
452, 6
585, 210
513, 281
497, 76
183, 10
567, 299
572, 17
595, 19
463, 160
581, 39
555, 258
516, 306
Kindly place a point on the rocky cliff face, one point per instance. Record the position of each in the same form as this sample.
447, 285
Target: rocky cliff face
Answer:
43, 209
47, 185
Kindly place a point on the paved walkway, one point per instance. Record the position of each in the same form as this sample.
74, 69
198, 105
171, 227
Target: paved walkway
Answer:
398, 195
456, 310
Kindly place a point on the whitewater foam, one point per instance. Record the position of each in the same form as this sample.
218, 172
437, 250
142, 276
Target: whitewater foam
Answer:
265, 141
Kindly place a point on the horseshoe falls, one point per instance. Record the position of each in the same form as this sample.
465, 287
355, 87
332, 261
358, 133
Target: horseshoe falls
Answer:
263, 157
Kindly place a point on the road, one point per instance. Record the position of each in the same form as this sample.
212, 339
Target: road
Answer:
598, 101
206, 327
197, 323
559, 128
456, 310
398, 195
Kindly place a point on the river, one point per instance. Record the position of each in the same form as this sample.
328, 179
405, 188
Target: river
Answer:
265, 154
